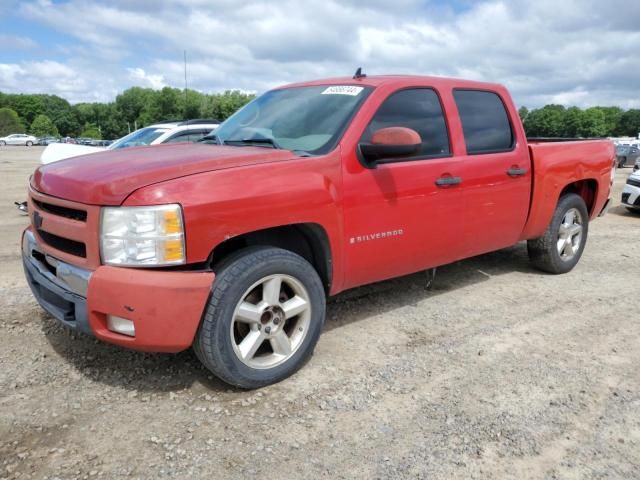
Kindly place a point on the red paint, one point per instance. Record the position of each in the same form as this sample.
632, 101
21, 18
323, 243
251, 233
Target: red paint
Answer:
556, 165
106, 178
166, 307
381, 223
396, 136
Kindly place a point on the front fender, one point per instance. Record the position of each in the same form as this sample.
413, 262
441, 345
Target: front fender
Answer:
222, 204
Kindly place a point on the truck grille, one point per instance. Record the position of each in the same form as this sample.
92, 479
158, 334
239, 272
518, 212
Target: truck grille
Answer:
65, 212
65, 229
71, 247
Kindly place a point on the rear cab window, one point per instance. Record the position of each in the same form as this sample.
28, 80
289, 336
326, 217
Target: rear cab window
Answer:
485, 122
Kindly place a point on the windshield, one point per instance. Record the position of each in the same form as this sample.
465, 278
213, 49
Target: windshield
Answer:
142, 136
305, 119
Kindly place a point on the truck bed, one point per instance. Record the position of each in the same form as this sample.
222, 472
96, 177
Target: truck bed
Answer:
559, 162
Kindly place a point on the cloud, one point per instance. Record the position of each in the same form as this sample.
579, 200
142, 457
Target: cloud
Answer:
575, 51
143, 79
71, 83
16, 42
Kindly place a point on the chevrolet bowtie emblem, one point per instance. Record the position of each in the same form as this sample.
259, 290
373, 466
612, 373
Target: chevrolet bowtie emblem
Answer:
37, 220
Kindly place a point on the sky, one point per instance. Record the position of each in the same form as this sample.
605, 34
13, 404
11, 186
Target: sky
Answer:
571, 52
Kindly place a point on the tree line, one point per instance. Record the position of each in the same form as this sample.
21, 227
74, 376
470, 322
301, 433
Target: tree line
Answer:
49, 115
573, 122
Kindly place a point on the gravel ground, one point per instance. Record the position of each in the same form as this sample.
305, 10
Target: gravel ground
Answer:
498, 371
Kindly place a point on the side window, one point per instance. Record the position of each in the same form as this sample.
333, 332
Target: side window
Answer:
179, 137
196, 135
484, 121
420, 110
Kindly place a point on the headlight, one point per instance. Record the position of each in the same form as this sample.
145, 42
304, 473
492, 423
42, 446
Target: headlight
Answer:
142, 236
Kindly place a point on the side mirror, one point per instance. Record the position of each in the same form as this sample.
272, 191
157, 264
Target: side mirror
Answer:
390, 143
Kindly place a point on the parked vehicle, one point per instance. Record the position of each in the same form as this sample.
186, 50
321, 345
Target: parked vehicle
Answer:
87, 141
18, 139
627, 154
631, 193
170, 132
231, 245
636, 166
44, 141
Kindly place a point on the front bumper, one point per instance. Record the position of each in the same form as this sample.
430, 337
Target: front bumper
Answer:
165, 306
60, 291
631, 196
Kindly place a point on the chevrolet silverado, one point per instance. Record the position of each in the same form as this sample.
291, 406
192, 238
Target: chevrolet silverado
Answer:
231, 246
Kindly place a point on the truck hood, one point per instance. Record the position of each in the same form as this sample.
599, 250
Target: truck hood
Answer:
109, 177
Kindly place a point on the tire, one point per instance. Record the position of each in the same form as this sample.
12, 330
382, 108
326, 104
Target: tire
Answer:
2, 143
240, 339
29, 143
634, 210
622, 162
562, 244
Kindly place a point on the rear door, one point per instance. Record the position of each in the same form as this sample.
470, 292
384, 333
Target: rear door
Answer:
397, 219
497, 172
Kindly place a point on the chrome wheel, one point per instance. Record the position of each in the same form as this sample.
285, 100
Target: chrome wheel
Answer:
570, 234
271, 321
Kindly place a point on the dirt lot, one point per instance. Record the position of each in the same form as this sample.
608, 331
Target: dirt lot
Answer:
498, 372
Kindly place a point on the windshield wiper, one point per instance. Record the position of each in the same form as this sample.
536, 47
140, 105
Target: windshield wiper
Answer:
211, 138
302, 153
253, 141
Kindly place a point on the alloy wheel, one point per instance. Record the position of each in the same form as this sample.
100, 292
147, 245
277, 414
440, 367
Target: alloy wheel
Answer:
271, 321
570, 234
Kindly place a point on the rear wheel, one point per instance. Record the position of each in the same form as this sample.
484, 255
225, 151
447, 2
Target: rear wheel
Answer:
264, 317
622, 161
634, 210
29, 143
562, 244
2, 143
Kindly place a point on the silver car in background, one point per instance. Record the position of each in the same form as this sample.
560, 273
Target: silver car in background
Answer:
18, 139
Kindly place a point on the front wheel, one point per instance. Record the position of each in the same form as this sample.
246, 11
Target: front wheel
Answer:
264, 317
562, 244
2, 143
29, 143
622, 162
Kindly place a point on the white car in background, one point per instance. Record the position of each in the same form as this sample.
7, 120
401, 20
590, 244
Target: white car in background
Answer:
18, 139
631, 193
169, 132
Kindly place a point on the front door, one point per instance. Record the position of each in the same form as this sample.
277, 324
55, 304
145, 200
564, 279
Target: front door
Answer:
397, 219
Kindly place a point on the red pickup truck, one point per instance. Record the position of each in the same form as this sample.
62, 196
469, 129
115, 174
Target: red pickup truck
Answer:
232, 245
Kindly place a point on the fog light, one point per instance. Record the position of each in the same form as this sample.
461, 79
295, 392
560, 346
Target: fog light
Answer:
121, 325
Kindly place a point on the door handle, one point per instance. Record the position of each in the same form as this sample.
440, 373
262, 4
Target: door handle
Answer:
516, 171
448, 181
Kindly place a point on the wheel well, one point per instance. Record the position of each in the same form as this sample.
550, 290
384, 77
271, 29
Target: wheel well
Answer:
309, 240
587, 189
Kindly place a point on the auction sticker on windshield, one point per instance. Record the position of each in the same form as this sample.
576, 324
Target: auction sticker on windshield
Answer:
343, 90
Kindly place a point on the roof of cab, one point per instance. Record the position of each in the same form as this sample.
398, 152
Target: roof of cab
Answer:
400, 81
